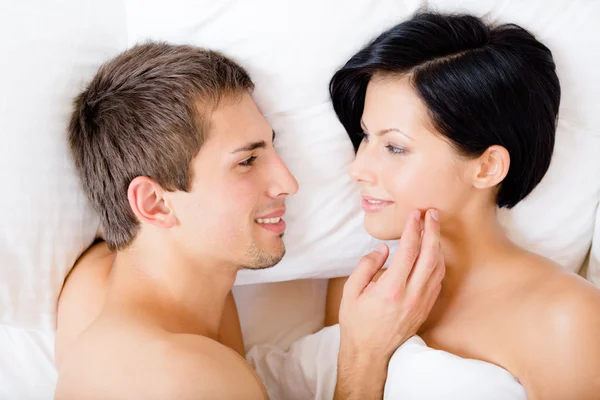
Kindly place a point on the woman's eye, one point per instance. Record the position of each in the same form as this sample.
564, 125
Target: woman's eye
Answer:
248, 161
395, 150
366, 137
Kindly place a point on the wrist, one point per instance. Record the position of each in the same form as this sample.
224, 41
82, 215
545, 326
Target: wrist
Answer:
362, 356
360, 376
362, 364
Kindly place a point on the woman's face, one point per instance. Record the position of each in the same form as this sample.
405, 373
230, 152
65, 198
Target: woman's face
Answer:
402, 164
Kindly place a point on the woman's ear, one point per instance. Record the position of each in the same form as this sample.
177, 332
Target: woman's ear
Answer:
491, 167
149, 204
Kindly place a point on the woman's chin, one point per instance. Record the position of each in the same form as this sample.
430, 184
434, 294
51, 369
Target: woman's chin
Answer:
382, 232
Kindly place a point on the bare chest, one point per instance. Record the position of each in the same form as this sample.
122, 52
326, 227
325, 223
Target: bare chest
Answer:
481, 329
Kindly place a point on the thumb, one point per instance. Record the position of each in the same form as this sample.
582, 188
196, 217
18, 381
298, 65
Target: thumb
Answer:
365, 271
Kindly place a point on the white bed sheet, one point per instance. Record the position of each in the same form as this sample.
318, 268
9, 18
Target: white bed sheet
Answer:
308, 371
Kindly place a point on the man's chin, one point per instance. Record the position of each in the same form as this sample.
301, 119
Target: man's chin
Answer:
264, 259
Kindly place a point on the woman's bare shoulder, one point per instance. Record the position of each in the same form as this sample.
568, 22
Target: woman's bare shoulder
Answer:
560, 327
554, 290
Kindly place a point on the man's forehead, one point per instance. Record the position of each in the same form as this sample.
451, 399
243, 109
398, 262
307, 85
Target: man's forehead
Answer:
236, 121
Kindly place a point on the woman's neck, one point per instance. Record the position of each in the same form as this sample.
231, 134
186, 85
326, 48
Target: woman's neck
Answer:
472, 244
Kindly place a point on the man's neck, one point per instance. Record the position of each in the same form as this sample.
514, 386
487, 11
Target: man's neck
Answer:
163, 285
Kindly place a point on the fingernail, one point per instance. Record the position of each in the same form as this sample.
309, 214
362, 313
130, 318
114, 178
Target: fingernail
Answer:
418, 215
434, 215
380, 248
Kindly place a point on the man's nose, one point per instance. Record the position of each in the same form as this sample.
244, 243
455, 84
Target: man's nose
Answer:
284, 184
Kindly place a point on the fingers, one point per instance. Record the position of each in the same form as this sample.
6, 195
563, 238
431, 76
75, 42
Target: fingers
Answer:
365, 271
397, 273
422, 303
429, 256
430, 298
433, 289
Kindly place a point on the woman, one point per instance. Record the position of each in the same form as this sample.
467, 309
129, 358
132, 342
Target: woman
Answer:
446, 112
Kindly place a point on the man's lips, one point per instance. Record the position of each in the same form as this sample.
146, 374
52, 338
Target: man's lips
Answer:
272, 221
275, 214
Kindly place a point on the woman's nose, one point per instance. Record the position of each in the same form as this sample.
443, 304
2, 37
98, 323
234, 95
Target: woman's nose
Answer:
361, 169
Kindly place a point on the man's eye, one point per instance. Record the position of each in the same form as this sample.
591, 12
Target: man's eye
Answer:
248, 161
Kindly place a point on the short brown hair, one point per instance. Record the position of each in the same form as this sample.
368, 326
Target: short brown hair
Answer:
143, 114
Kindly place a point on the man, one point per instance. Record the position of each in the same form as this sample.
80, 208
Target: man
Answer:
179, 163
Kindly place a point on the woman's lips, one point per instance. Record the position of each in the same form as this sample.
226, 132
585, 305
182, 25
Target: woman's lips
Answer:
373, 205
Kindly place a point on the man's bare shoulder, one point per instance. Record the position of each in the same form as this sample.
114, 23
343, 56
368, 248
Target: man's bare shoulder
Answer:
82, 296
211, 370
156, 365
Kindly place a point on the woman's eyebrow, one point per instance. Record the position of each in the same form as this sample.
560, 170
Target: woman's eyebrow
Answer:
384, 131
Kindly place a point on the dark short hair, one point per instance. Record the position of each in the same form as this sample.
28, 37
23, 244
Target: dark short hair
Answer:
146, 113
482, 85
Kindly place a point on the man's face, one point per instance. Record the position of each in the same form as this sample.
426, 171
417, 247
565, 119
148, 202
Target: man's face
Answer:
233, 213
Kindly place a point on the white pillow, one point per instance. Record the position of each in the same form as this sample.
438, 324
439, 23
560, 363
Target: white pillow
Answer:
291, 49
27, 364
49, 50
593, 267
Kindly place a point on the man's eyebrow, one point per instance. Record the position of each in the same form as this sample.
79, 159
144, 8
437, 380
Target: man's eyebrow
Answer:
251, 146
384, 131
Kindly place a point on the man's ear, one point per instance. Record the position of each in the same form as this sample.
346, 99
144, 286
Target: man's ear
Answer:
149, 204
491, 167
